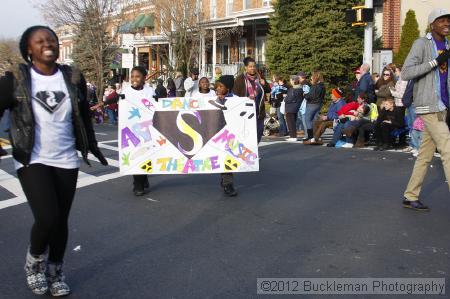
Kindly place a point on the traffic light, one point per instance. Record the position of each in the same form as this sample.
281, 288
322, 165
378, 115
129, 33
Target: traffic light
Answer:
359, 15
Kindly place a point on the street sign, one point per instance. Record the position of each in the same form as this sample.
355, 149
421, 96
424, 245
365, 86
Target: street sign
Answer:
127, 40
127, 60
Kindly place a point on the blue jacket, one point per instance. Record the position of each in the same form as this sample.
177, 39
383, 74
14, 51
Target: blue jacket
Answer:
293, 100
332, 113
365, 84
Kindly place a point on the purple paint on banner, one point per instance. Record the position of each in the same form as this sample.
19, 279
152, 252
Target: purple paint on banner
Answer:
128, 135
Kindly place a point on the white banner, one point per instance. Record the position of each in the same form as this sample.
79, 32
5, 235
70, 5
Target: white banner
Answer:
187, 135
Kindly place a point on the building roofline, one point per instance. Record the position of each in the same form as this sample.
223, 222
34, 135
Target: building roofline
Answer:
238, 18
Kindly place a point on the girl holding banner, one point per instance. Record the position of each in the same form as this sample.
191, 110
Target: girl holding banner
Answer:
138, 89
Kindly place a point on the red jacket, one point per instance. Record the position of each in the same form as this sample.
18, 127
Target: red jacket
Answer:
345, 110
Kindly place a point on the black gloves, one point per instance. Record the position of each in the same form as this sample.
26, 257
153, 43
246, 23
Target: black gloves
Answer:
443, 57
97, 153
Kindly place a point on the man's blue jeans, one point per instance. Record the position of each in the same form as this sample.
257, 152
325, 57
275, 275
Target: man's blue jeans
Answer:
111, 116
281, 120
339, 128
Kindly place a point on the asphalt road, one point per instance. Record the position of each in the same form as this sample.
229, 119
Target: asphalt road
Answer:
309, 212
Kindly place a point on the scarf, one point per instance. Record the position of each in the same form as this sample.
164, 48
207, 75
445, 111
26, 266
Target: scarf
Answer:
251, 85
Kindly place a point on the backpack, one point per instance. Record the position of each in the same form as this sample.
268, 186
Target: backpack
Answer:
407, 98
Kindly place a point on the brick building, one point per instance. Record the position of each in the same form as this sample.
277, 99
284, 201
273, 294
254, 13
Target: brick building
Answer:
390, 16
234, 29
66, 37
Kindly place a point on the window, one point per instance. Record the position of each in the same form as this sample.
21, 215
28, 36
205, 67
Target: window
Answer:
213, 9
266, 3
260, 54
224, 53
242, 49
229, 7
247, 4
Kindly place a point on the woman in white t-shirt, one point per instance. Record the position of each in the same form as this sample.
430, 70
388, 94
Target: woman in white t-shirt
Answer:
49, 121
138, 89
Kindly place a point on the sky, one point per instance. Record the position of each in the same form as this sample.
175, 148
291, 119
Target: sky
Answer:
18, 15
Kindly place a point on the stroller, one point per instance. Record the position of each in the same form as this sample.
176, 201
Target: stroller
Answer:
271, 123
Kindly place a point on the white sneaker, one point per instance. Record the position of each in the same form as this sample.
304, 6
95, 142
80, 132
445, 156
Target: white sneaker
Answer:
291, 140
407, 150
347, 145
414, 152
312, 140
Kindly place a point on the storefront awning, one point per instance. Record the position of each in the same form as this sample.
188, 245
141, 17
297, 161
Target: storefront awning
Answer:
126, 27
142, 21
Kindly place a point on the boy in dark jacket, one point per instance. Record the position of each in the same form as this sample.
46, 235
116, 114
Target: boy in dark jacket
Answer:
389, 119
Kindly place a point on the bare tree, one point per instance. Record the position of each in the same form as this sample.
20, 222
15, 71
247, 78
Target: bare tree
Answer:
9, 54
180, 23
96, 24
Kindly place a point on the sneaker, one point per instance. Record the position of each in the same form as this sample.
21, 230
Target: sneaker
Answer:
415, 205
407, 149
229, 190
35, 272
138, 192
331, 145
55, 278
414, 152
378, 148
292, 140
347, 145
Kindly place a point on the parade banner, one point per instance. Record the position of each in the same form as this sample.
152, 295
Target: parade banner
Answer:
187, 135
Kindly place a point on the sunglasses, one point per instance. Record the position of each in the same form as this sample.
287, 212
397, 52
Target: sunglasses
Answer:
387, 75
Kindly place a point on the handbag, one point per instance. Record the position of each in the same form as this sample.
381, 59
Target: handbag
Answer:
283, 108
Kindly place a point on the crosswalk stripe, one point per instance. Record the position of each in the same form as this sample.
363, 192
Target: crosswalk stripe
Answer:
12, 202
108, 147
10, 183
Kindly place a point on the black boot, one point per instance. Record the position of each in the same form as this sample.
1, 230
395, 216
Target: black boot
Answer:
310, 134
35, 267
56, 280
229, 190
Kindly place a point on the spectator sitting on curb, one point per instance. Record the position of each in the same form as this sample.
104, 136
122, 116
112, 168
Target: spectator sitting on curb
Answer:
347, 116
389, 119
327, 121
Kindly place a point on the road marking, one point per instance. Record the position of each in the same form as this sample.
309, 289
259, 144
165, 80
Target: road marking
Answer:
154, 200
108, 147
10, 183
108, 141
101, 134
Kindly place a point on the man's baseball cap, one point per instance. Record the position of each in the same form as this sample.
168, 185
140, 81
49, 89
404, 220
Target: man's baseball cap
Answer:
437, 13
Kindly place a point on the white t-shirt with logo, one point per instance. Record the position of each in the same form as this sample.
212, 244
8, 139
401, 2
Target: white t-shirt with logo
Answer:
137, 94
54, 137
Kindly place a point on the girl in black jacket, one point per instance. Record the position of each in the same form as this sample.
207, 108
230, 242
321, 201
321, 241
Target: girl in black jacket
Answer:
50, 120
292, 103
314, 101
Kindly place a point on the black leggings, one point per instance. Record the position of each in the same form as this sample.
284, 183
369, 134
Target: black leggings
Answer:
49, 191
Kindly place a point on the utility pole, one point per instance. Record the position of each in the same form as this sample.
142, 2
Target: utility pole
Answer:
368, 38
